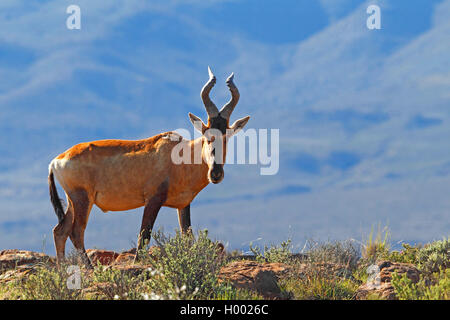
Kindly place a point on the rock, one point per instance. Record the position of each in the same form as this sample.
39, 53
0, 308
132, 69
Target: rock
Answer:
132, 251
105, 257
16, 274
387, 268
255, 276
125, 258
384, 288
10, 259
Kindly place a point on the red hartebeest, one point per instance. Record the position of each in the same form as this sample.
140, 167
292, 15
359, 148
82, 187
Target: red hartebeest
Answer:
121, 175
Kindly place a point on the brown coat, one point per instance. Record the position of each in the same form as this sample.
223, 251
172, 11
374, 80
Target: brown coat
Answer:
122, 174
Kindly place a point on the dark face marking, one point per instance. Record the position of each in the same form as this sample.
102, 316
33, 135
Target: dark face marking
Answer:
216, 173
218, 123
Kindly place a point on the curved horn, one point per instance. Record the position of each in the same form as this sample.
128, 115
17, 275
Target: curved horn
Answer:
227, 109
211, 108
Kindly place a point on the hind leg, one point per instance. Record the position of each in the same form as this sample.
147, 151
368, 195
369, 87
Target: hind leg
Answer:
82, 206
62, 231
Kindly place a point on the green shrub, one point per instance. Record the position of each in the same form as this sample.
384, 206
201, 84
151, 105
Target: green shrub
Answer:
47, 283
438, 289
273, 253
228, 292
118, 284
434, 256
316, 285
409, 254
185, 267
343, 253
6, 292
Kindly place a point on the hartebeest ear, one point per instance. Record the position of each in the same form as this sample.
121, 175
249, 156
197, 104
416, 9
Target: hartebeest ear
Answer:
238, 125
198, 123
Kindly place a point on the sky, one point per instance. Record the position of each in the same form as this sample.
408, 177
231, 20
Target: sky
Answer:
363, 115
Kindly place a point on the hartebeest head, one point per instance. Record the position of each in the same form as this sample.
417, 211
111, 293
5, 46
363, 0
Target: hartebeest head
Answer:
217, 130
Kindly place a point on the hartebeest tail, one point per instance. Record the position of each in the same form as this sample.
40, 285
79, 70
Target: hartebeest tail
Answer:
54, 198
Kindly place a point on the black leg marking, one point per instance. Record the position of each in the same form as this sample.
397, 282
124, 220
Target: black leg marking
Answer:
150, 213
184, 219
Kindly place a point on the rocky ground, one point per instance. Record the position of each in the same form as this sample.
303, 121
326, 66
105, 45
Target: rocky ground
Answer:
243, 272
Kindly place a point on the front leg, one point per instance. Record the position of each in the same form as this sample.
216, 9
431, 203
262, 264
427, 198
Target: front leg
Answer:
184, 219
148, 219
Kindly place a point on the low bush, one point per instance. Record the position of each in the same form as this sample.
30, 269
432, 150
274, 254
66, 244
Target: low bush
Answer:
344, 253
434, 256
273, 253
185, 267
438, 288
47, 283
